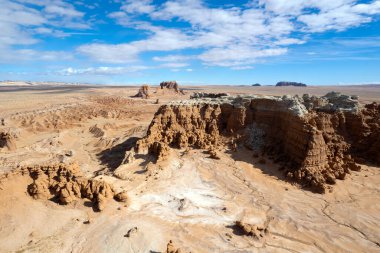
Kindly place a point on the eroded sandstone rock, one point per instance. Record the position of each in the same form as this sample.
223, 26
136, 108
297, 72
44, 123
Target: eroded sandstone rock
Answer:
143, 92
256, 231
314, 139
170, 248
65, 184
7, 140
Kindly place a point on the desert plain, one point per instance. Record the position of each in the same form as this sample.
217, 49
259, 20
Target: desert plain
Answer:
232, 201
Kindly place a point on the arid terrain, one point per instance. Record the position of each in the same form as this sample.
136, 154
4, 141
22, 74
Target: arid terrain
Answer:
128, 169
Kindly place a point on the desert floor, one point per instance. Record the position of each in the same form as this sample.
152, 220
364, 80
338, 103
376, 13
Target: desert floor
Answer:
190, 199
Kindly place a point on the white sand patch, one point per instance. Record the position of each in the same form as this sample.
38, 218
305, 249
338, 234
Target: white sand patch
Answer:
185, 197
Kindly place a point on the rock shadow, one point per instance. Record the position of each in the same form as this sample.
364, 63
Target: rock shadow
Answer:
264, 163
236, 230
113, 157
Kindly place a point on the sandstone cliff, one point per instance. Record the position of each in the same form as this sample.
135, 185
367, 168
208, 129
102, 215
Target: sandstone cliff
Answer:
315, 139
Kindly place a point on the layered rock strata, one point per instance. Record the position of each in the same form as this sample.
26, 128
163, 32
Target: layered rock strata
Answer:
313, 138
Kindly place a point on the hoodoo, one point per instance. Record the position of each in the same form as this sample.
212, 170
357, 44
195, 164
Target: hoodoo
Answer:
315, 139
143, 92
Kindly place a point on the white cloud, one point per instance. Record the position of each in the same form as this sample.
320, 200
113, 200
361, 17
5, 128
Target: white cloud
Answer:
32, 55
138, 7
330, 15
161, 40
101, 70
230, 36
215, 30
234, 36
63, 9
22, 20
173, 58
289, 41
238, 55
242, 67
121, 53
174, 65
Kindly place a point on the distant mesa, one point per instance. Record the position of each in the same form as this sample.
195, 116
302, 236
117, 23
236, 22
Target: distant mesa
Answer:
291, 84
256, 84
170, 85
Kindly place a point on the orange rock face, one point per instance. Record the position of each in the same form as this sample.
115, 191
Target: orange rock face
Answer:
194, 126
65, 184
315, 145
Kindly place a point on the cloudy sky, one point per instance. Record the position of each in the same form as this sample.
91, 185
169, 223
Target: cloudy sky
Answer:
191, 41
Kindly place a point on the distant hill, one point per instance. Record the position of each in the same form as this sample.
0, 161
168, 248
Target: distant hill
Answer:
256, 84
291, 84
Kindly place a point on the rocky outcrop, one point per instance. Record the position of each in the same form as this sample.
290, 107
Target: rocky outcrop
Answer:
143, 92
195, 126
332, 101
366, 137
7, 141
96, 131
256, 231
170, 248
208, 95
314, 139
172, 85
65, 184
291, 84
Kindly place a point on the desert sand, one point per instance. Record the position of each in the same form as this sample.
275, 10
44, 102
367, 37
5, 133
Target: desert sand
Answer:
238, 202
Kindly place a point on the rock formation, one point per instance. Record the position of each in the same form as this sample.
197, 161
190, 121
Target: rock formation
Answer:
143, 92
291, 84
96, 131
65, 184
315, 139
257, 232
170, 248
208, 95
7, 140
172, 85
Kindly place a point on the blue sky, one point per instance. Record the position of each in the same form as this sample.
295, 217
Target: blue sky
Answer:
318, 42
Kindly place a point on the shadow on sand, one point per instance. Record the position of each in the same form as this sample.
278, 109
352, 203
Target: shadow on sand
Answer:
262, 162
113, 157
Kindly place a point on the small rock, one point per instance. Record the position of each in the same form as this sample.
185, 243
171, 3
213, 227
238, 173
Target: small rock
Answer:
132, 231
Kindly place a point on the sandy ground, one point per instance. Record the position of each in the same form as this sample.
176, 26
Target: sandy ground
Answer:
189, 198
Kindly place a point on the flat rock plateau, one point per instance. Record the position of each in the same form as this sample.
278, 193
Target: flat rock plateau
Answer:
189, 169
